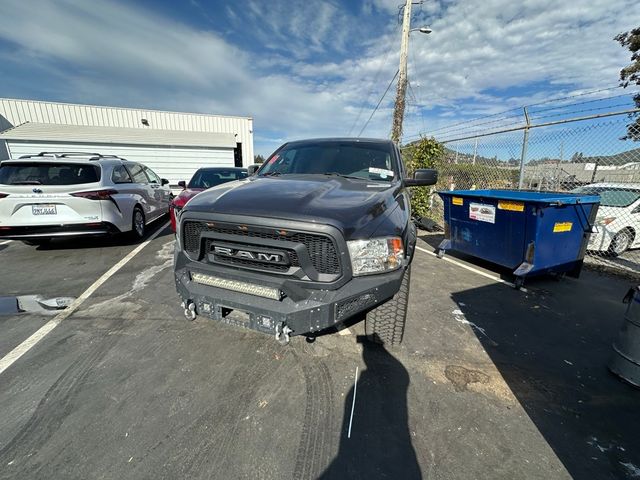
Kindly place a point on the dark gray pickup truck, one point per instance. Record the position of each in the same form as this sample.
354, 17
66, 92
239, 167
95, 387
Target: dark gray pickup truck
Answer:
322, 232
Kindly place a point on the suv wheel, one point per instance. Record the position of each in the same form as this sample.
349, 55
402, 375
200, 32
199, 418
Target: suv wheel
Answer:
385, 323
138, 226
621, 242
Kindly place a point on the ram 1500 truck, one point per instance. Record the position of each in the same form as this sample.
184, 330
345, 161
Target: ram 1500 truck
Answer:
322, 232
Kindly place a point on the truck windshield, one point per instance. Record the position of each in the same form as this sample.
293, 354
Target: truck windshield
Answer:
364, 160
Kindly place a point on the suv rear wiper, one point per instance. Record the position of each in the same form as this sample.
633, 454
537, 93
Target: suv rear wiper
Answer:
27, 182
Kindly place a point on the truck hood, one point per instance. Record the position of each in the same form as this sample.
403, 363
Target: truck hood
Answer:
356, 207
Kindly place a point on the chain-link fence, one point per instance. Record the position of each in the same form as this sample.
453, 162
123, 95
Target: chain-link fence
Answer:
582, 155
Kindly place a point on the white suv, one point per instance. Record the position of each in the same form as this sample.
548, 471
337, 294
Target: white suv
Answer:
617, 226
71, 194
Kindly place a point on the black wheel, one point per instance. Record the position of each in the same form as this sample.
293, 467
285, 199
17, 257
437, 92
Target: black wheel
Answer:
37, 242
621, 243
138, 225
385, 323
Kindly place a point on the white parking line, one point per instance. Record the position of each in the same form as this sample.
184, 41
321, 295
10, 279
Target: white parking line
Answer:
25, 346
5, 242
353, 404
471, 269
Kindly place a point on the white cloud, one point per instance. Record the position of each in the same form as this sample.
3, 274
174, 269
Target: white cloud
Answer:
316, 65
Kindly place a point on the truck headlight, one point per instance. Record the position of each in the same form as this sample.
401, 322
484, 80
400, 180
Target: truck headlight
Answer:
375, 255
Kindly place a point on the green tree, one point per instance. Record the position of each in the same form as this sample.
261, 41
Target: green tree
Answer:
424, 153
631, 75
258, 159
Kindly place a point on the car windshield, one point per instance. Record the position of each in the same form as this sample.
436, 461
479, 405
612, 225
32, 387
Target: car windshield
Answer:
363, 160
210, 177
612, 197
48, 173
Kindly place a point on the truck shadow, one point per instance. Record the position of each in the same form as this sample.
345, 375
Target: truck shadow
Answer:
551, 346
380, 444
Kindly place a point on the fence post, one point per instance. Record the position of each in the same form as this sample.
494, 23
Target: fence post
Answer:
525, 142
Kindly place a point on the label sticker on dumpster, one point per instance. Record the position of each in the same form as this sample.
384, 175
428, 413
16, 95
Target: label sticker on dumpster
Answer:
482, 212
511, 206
457, 201
562, 227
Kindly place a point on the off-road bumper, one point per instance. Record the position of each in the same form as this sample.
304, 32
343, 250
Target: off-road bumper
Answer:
303, 310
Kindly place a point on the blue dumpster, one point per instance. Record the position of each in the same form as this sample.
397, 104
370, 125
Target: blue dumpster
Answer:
530, 232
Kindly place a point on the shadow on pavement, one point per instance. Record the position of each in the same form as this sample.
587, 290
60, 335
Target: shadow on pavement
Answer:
552, 346
380, 444
106, 241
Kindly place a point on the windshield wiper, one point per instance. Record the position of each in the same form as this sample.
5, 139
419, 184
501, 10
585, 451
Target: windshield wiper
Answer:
271, 174
336, 174
27, 182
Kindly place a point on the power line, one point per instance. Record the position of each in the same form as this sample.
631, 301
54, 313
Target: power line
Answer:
375, 81
379, 102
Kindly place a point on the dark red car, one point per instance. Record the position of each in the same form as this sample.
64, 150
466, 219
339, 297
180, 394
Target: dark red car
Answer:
203, 179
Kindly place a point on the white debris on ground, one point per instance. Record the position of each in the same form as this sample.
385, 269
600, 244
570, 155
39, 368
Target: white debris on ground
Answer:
459, 317
44, 306
165, 255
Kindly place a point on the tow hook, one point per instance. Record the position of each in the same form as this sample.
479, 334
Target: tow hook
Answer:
282, 333
189, 310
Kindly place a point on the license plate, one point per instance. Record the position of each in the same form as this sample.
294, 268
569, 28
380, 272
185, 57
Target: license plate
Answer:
44, 210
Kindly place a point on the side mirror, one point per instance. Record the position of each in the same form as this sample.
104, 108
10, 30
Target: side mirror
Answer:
164, 181
422, 177
252, 169
182, 184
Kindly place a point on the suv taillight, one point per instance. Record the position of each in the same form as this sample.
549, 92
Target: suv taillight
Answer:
96, 194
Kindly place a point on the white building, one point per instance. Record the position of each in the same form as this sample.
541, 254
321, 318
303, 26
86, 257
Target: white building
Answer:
171, 143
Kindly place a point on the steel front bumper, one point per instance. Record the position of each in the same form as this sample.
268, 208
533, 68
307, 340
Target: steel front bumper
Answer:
302, 310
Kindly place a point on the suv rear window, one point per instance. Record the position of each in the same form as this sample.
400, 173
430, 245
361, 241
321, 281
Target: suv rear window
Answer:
41, 173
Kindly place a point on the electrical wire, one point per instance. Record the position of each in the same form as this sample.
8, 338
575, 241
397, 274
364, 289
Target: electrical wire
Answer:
379, 102
375, 81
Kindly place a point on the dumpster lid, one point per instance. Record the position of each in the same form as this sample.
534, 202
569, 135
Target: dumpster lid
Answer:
526, 196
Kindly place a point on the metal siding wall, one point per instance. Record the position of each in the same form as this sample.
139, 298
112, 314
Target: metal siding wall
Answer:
174, 164
21, 111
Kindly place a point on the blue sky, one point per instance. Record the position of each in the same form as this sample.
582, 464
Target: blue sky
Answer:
303, 68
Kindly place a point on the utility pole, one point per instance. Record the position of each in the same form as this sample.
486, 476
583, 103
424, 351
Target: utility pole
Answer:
398, 110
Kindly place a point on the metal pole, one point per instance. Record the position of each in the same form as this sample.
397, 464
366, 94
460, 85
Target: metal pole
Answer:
595, 170
398, 110
475, 152
523, 155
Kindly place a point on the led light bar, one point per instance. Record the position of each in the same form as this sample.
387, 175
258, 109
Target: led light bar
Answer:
236, 286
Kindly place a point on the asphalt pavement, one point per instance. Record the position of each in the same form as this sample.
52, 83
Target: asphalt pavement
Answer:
490, 382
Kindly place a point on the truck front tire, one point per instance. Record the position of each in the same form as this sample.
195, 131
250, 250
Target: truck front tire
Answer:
385, 323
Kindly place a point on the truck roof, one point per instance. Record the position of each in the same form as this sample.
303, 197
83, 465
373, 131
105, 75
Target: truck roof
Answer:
341, 139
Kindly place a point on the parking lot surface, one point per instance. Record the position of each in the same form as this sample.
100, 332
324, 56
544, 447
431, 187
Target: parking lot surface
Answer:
490, 382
